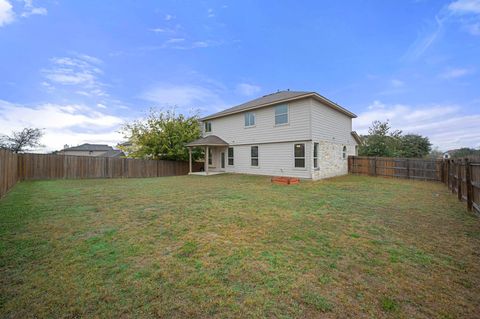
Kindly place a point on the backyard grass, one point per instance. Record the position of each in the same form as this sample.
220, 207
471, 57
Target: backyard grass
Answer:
231, 246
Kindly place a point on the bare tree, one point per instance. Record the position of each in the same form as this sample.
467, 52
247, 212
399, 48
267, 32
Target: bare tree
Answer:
21, 141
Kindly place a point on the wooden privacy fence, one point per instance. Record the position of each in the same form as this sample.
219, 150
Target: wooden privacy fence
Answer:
413, 168
8, 171
20, 167
41, 166
462, 176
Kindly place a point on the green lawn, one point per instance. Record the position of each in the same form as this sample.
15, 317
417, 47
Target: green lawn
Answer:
237, 246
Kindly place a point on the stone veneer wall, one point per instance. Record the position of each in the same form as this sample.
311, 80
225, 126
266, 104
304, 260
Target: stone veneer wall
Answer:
331, 162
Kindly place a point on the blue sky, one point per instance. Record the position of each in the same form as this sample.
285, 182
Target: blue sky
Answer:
79, 69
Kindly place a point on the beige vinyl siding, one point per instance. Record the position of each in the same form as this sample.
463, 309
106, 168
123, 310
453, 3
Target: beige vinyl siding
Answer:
329, 124
232, 128
309, 121
275, 159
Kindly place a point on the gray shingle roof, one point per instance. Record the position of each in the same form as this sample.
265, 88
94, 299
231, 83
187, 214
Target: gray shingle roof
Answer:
210, 140
112, 153
90, 147
281, 96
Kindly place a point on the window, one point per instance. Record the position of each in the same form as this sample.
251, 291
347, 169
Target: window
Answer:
281, 114
254, 155
344, 152
208, 126
315, 155
230, 156
356, 150
210, 161
299, 153
249, 119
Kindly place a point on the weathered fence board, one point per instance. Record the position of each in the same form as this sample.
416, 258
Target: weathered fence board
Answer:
8, 171
40, 166
18, 167
397, 167
462, 176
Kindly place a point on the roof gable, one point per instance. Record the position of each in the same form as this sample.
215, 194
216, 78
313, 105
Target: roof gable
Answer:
277, 98
89, 147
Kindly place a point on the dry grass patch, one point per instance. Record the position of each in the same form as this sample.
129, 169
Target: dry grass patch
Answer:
237, 246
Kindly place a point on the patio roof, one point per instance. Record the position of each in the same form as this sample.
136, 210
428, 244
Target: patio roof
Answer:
211, 140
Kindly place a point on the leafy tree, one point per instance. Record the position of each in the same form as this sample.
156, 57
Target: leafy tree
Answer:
435, 153
22, 141
414, 145
162, 135
381, 141
465, 152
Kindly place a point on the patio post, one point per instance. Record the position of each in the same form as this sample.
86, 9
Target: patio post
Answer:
206, 160
190, 160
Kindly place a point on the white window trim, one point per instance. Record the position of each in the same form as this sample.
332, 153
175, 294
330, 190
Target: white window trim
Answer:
275, 116
304, 157
210, 158
344, 153
254, 120
205, 126
258, 156
228, 157
316, 157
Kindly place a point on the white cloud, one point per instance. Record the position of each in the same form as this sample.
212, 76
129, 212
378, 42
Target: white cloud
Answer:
468, 14
169, 17
62, 124
30, 9
445, 125
397, 83
465, 6
456, 73
473, 29
183, 44
210, 13
185, 97
175, 40
80, 71
247, 89
426, 39
6, 13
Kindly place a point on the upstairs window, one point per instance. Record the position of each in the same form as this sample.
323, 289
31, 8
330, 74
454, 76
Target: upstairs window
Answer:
299, 154
249, 119
344, 152
230, 156
254, 155
208, 127
281, 114
315, 155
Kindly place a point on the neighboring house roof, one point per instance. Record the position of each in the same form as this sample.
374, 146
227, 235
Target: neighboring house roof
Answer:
210, 140
276, 98
89, 147
108, 151
112, 153
357, 137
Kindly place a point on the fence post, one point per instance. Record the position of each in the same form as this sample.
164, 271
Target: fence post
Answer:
459, 181
468, 183
374, 166
408, 169
442, 172
447, 178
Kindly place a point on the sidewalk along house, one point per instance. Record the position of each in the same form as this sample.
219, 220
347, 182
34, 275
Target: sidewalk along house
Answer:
86, 149
288, 133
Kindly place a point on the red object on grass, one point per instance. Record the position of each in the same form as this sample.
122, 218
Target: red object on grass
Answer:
285, 180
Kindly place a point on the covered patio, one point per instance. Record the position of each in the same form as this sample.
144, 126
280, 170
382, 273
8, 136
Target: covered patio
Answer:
215, 149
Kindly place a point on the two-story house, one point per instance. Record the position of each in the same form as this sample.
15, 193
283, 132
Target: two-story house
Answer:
288, 133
